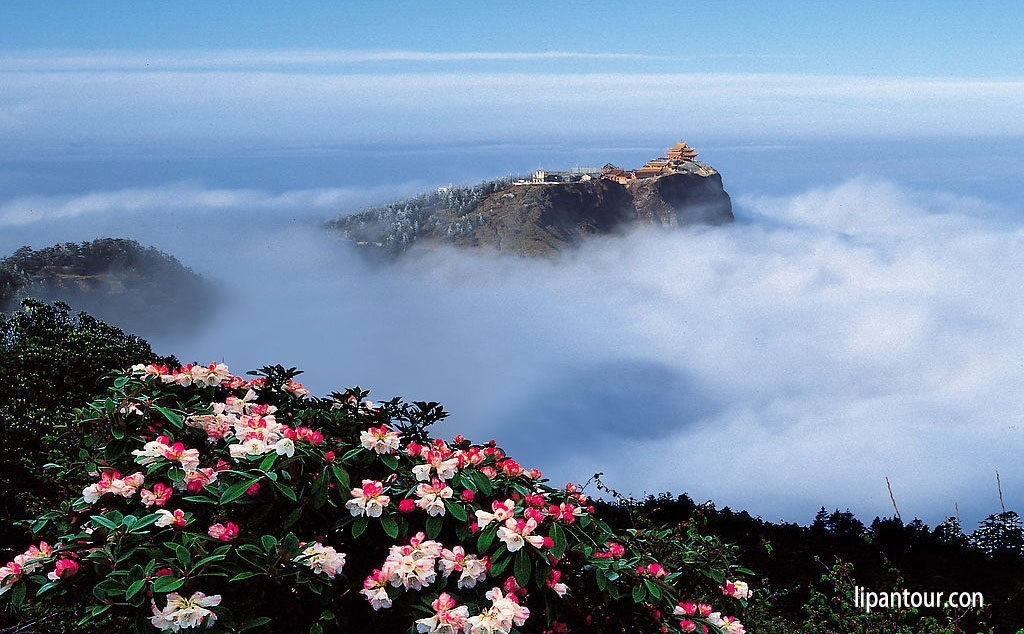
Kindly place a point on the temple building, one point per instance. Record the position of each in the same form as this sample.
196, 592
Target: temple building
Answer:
679, 158
681, 152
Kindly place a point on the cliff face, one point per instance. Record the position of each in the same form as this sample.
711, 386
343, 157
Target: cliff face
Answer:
539, 218
544, 218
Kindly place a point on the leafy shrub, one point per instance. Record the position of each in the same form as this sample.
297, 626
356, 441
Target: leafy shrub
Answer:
246, 505
830, 609
51, 362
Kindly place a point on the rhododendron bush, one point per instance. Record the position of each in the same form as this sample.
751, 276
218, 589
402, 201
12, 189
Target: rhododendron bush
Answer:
240, 504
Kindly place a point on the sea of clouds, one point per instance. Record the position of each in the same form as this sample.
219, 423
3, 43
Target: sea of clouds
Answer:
795, 359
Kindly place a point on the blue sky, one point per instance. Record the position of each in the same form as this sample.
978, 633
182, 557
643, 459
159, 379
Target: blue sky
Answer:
934, 38
117, 76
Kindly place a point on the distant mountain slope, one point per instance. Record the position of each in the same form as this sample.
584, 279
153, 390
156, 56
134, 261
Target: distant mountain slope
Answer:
539, 217
117, 280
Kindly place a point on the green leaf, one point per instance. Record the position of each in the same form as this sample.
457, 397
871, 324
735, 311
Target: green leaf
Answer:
236, 491
358, 527
145, 521
200, 499
259, 621
558, 536
390, 461
102, 521
183, 555
652, 588
46, 588
499, 564
341, 475
483, 482
639, 592
523, 568
175, 474
285, 490
319, 490
134, 589
167, 584
120, 382
456, 510
390, 527
171, 417
244, 575
207, 560
269, 544
268, 462
486, 538
352, 453
602, 581
434, 524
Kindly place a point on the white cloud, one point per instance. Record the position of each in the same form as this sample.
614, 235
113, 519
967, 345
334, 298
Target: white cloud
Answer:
190, 199
790, 361
252, 58
203, 107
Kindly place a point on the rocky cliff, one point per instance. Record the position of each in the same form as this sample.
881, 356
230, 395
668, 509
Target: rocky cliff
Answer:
539, 218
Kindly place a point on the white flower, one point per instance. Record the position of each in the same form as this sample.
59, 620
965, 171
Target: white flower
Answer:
285, 447
432, 496
379, 439
517, 533
368, 500
322, 559
181, 613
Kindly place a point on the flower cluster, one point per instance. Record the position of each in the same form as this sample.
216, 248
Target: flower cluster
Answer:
248, 482
322, 559
24, 564
111, 482
368, 500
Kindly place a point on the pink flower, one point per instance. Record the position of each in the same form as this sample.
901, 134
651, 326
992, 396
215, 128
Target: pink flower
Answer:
517, 533
407, 506
467, 495
329, 456
432, 496
63, 569
223, 532
159, 496
368, 500
737, 589
195, 480
375, 589
501, 511
295, 388
657, 571
175, 519
253, 490
380, 439
687, 625
511, 468
685, 609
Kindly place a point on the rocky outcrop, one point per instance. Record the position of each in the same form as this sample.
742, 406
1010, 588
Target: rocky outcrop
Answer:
539, 218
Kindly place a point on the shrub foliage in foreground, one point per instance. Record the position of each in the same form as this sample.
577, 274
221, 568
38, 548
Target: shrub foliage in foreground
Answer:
51, 362
246, 505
